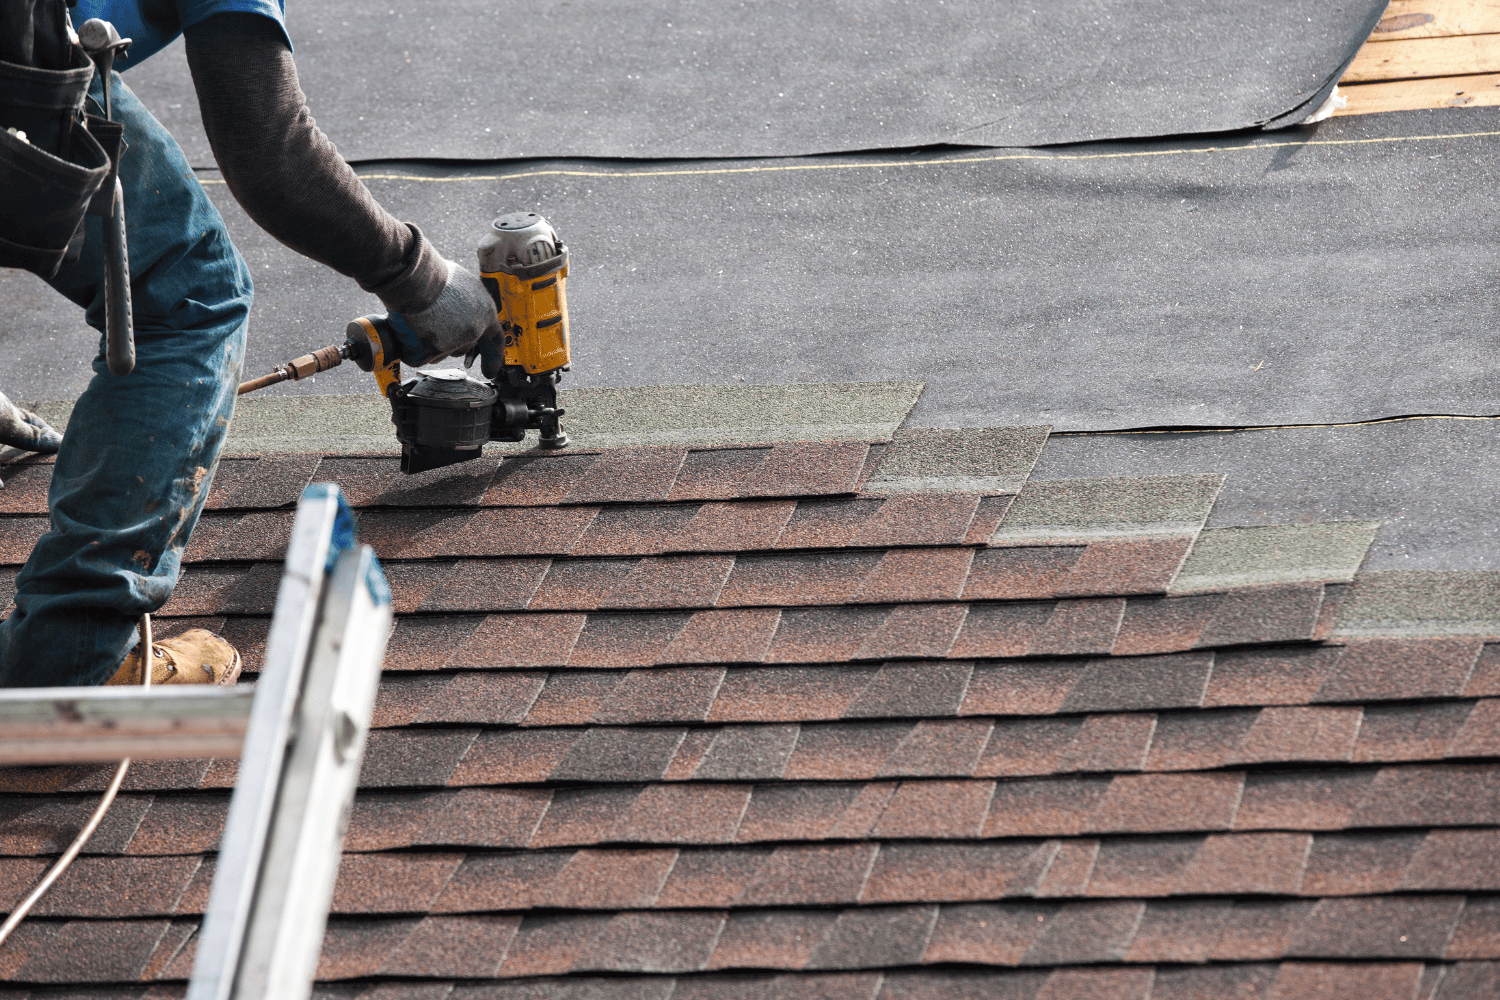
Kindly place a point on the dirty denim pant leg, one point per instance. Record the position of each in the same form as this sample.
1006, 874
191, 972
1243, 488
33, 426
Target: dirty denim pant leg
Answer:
140, 450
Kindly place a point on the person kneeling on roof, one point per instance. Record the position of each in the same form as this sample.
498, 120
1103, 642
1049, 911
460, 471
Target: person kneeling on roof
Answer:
138, 456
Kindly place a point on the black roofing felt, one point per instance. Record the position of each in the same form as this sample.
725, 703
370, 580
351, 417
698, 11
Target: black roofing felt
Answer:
646, 79
1195, 282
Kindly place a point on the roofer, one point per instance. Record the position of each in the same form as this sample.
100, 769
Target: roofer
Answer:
140, 450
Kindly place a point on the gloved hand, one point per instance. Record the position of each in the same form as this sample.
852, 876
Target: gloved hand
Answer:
25, 430
462, 315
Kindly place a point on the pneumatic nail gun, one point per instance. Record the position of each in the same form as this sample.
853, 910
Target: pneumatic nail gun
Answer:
446, 416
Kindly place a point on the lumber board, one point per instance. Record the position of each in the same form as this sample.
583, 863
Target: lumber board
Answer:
73, 725
1416, 58
1437, 19
1414, 95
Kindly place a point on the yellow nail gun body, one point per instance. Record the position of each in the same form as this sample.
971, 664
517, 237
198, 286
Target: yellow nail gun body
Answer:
446, 416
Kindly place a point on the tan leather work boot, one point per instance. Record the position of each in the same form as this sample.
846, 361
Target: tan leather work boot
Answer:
197, 656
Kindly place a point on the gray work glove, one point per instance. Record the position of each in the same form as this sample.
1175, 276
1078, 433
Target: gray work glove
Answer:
25, 430
461, 315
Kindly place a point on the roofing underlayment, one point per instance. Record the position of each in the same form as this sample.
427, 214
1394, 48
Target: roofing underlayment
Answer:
771, 691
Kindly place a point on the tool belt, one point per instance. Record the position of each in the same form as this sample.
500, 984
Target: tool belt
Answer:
49, 178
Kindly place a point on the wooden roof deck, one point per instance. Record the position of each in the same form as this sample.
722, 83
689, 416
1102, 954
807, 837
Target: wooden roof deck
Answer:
1427, 54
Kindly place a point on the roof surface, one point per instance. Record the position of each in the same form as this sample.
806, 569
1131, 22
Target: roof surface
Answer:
808, 721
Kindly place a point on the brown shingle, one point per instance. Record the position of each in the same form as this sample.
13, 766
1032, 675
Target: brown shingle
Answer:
1301, 734
738, 635
1455, 859
914, 630
915, 575
771, 694
514, 880
268, 481
653, 942
1060, 807
771, 939
625, 640
1279, 613
685, 814
489, 698
634, 531
747, 753
571, 697
715, 473
875, 937
1478, 932
1198, 741
1021, 573
1019, 689
1339, 981
391, 883
795, 812
943, 872
1255, 931
927, 519
1352, 864
1068, 869
616, 754
827, 524
1291, 800
1105, 984
1125, 683
810, 875
73, 951
996, 630
1163, 624
672, 582
499, 757
517, 640
946, 809
1480, 735
992, 934
735, 527
1158, 803
1110, 743
1178, 932
598, 879
470, 947
710, 878
844, 750
1391, 927
690, 753
487, 585
584, 815
549, 945
542, 531
807, 469
1027, 746
796, 578
1410, 732
1125, 566
661, 695
413, 758
823, 635
102, 887
580, 584
626, 475
536, 479
1388, 669
987, 518
1141, 866
938, 748
1083, 933
1285, 676
1247, 863
1079, 627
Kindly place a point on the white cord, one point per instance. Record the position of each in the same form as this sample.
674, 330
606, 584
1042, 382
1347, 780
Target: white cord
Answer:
53, 874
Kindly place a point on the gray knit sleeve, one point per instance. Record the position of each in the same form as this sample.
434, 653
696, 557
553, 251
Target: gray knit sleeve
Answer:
285, 172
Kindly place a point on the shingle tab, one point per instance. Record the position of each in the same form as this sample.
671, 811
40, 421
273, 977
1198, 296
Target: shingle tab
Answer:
1077, 511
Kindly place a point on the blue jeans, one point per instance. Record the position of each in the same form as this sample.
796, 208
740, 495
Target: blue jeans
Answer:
140, 450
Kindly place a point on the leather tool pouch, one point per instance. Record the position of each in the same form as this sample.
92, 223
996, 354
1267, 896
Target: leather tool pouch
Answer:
48, 179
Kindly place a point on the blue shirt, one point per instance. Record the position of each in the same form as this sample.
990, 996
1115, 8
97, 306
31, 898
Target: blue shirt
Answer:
152, 25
